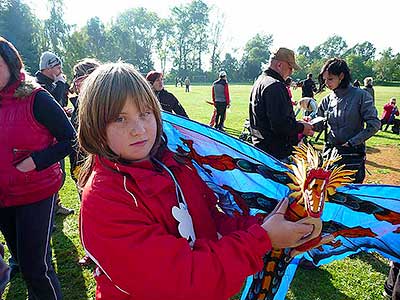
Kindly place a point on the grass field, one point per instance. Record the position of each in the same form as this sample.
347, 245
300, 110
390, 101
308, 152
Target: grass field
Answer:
361, 277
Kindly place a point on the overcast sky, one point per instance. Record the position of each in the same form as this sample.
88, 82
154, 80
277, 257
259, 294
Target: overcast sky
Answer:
292, 23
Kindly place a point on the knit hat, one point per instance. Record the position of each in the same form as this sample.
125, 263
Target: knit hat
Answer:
284, 54
49, 60
153, 76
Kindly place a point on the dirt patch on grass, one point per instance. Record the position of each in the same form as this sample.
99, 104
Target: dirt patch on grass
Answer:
383, 165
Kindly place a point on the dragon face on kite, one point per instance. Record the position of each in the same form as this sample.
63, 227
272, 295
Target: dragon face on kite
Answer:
315, 192
314, 178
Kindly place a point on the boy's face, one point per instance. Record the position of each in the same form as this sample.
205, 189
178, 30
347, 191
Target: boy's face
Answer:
133, 134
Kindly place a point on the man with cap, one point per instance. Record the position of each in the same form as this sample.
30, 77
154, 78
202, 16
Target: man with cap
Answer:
273, 124
221, 99
51, 78
167, 100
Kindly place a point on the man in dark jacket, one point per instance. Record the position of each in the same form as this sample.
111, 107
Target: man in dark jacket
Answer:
51, 78
273, 124
308, 87
167, 100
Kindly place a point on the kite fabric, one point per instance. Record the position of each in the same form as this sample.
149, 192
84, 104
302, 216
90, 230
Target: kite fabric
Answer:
248, 181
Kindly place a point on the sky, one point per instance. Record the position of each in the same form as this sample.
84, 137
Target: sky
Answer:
292, 23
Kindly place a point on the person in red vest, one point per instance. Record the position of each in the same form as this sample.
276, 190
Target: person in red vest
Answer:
35, 135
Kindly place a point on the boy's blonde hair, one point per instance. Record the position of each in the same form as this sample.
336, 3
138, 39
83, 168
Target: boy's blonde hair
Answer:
102, 99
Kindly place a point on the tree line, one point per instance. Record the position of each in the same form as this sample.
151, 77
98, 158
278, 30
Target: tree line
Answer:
190, 34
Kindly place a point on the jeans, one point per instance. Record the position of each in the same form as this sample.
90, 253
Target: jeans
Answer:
353, 158
27, 230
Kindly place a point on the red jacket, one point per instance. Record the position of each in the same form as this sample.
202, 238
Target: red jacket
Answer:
21, 135
387, 111
128, 229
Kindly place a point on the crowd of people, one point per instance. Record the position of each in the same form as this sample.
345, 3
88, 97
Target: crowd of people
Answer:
138, 197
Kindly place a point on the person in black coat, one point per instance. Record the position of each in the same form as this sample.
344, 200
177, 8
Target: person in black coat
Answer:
273, 125
167, 100
308, 87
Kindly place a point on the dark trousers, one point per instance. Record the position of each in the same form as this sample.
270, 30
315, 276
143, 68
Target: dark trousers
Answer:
395, 128
220, 116
353, 158
27, 230
392, 284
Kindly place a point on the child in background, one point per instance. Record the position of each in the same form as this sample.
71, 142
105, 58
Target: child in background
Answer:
81, 71
309, 107
148, 220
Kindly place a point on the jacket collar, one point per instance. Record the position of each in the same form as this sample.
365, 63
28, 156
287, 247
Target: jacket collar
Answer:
274, 74
144, 173
9, 91
341, 92
43, 79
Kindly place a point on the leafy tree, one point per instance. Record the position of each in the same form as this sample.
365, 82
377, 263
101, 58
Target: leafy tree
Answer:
359, 69
164, 41
231, 65
182, 41
133, 36
334, 46
56, 31
22, 28
190, 42
386, 66
96, 38
75, 50
304, 60
304, 51
305, 64
199, 15
365, 50
215, 41
256, 53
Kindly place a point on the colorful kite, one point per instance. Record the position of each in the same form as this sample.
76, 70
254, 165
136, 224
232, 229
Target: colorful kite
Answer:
248, 181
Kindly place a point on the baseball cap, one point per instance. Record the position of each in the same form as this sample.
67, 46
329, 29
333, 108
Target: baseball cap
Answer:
222, 74
284, 54
49, 60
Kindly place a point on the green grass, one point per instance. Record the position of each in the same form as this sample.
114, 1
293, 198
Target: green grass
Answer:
361, 277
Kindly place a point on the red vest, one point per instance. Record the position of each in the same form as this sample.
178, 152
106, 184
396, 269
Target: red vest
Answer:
20, 135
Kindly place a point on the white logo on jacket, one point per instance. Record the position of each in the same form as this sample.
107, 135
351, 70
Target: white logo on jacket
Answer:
185, 226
